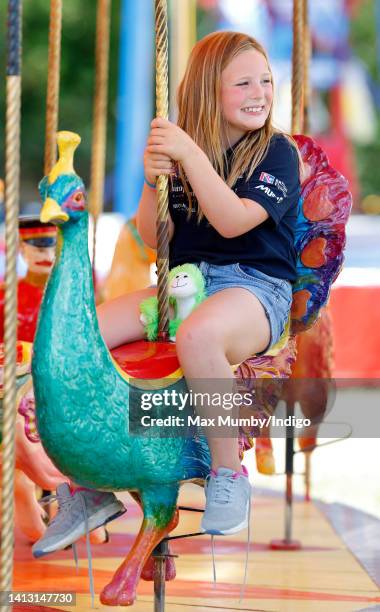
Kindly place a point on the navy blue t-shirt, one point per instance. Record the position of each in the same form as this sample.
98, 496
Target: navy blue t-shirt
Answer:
269, 247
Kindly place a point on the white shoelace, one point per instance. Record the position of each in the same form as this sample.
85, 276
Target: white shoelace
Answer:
223, 494
63, 503
223, 489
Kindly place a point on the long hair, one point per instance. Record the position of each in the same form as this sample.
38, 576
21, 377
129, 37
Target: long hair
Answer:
200, 108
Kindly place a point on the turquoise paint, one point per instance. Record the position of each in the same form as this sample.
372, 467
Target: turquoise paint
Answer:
82, 402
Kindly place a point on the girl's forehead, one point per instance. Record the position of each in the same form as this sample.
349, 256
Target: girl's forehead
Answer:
245, 63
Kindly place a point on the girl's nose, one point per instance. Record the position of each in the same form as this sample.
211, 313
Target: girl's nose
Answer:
256, 90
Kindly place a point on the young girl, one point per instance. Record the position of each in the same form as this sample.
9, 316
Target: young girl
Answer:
232, 203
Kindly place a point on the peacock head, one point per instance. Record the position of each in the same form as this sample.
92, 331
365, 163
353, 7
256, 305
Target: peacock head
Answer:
62, 190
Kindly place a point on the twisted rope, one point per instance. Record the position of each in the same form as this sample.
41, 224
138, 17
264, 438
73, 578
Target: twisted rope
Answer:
52, 92
297, 67
12, 180
306, 66
162, 181
100, 115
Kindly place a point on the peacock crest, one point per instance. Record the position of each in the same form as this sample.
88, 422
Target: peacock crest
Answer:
67, 144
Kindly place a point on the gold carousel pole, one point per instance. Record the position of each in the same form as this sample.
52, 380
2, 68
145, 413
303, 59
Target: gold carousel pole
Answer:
12, 189
52, 94
98, 156
297, 67
298, 57
52, 91
183, 37
161, 24
161, 551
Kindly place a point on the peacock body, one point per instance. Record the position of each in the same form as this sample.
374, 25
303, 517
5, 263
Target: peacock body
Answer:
82, 396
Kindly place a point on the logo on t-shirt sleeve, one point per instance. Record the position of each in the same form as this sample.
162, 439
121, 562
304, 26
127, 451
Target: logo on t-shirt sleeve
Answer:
269, 193
265, 177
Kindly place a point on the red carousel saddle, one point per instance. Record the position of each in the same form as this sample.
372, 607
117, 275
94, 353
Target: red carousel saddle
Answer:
147, 360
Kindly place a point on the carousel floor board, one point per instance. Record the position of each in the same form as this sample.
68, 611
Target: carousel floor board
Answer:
323, 576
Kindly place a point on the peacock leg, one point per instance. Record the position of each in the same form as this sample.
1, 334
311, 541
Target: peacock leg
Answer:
160, 517
147, 572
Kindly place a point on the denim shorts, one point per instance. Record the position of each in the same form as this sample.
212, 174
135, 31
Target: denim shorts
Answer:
275, 294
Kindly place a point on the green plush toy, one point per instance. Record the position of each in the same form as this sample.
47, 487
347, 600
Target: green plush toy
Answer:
186, 291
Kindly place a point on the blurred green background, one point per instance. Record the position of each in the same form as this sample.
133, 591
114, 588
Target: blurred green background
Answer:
77, 83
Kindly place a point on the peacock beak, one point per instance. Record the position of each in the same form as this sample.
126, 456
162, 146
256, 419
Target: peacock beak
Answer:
51, 211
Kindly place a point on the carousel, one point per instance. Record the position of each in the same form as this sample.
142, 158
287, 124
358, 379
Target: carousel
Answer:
68, 403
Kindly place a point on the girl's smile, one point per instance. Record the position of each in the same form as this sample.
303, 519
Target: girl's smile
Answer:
246, 94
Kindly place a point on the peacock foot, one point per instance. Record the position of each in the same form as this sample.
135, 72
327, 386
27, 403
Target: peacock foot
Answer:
121, 591
148, 569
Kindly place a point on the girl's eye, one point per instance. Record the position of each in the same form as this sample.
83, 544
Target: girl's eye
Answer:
240, 84
267, 80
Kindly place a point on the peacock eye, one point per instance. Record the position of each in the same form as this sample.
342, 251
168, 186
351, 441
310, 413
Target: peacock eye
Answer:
78, 197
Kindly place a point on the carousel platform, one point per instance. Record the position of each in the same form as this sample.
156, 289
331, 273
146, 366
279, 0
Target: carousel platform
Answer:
336, 569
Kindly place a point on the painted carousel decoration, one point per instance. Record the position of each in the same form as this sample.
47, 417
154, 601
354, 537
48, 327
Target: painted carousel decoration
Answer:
37, 247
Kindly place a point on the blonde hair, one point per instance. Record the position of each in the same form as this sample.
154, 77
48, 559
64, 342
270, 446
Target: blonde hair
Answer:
200, 109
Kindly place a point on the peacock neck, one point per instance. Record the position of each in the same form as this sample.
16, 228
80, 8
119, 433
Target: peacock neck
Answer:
73, 266
68, 313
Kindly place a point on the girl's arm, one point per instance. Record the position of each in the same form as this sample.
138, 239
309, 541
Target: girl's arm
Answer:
147, 217
230, 215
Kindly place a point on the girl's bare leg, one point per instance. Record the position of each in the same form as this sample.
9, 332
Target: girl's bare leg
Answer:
226, 329
119, 319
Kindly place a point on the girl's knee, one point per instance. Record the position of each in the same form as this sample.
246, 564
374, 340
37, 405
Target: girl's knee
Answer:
197, 336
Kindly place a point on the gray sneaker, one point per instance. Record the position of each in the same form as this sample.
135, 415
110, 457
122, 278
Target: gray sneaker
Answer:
228, 500
77, 514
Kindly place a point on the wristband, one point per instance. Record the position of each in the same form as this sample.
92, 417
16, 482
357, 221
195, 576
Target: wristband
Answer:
151, 185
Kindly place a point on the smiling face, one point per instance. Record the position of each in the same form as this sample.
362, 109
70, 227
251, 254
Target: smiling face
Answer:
246, 94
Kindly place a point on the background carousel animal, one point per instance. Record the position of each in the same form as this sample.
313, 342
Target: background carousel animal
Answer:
32, 466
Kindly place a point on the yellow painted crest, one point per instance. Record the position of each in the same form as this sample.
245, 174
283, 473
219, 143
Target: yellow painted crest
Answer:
67, 143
